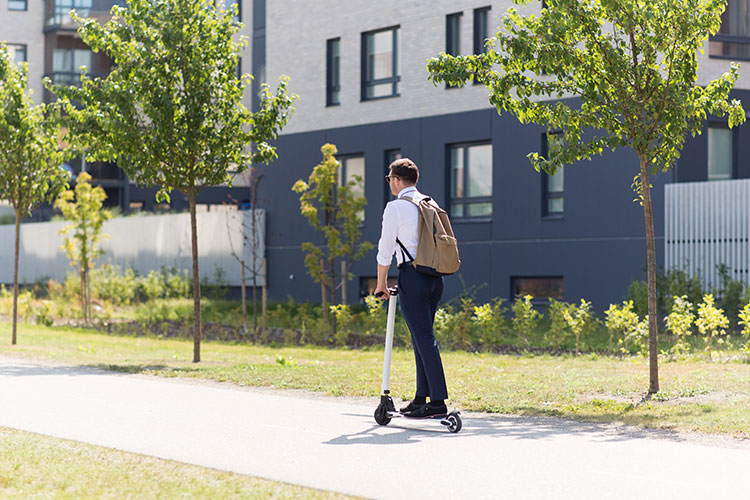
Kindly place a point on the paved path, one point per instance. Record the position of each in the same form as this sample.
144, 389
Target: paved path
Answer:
334, 444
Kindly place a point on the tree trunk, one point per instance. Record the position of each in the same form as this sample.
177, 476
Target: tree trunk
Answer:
15, 276
192, 194
244, 297
651, 267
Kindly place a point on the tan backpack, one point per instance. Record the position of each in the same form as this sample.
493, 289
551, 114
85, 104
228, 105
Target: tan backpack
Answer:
437, 248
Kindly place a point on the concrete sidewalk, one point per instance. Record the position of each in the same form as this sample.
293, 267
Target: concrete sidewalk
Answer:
334, 444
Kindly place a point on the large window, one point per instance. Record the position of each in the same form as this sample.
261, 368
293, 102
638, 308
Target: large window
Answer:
453, 34
380, 64
17, 5
18, 53
481, 29
333, 72
720, 153
470, 180
541, 288
733, 39
62, 10
66, 64
553, 186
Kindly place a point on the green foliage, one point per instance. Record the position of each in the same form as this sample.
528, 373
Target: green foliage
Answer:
490, 321
578, 317
731, 294
345, 322
680, 322
84, 209
744, 320
711, 322
621, 322
558, 328
335, 212
525, 318
110, 283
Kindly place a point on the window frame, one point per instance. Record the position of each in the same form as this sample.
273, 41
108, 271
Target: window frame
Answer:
548, 195
481, 21
366, 81
331, 71
25, 6
465, 200
390, 155
342, 174
536, 300
16, 47
733, 135
727, 38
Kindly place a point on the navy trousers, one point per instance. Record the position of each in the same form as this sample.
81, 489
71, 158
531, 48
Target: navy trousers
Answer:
419, 295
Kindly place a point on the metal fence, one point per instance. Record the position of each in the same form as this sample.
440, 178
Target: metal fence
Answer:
144, 243
708, 224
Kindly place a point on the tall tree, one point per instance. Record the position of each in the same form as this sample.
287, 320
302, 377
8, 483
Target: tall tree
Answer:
30, 154
631, 63
170, 113
335, 211
84, 209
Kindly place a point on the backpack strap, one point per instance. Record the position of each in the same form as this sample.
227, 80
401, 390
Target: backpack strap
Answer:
404, 250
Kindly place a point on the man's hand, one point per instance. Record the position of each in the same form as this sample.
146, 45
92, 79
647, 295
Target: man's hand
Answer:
382, 293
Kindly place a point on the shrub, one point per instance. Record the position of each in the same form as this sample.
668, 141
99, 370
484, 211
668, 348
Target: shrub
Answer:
731, 294
578, 318
443, 326
711, 322
525, 318
558, 327
109, 283
621, 322
151, 286
490, 322
744, 320
344, 322
680, 322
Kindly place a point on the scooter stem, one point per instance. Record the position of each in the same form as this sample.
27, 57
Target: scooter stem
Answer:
389, 342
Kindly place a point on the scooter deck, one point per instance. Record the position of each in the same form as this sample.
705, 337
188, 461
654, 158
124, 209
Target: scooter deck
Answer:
431, 417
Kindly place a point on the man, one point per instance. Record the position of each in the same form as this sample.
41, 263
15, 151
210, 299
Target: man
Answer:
418, 293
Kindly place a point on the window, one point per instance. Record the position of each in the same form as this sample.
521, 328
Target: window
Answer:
481, 29
471, 180
453, 34
62, 10
380, 64
333, 72
720, 153
66, 64
17, 5
18, 53
733, 39
391, 155
552, 185
541, 288
352, 166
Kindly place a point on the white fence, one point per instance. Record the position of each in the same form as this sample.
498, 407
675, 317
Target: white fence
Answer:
143, 243
708, 224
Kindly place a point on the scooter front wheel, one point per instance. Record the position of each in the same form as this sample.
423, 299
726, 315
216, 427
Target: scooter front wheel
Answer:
381, 415
454, 422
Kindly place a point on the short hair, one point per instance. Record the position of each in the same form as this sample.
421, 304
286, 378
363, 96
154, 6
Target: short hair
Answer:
405, 169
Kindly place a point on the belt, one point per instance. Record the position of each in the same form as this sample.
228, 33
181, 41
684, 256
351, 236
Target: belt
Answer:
403, 265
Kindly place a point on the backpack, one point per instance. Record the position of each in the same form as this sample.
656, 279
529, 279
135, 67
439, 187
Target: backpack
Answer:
437, 248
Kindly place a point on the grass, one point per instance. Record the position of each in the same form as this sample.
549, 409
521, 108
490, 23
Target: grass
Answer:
35, 466
696, 394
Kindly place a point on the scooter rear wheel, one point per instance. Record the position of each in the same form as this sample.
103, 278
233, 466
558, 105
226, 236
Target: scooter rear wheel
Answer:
381, 415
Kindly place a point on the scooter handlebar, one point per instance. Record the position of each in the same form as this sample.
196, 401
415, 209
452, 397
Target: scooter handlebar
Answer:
391, 291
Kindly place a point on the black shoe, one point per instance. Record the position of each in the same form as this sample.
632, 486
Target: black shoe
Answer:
411, 407
428, 410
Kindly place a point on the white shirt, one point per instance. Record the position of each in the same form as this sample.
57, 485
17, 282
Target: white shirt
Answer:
400, 220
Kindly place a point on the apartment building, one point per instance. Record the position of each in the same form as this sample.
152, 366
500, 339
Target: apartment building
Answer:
42, 34
361, 75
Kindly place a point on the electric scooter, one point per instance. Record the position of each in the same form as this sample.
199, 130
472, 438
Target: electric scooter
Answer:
386, 409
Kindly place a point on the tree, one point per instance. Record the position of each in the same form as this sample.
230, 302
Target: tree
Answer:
335, 211
84, 209
632, 65
30, 156
170, 113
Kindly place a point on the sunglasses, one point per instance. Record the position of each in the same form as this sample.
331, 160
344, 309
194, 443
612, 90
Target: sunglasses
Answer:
389, 177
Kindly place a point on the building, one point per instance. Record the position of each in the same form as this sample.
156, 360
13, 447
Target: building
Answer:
42, 34
360, 72
362, 80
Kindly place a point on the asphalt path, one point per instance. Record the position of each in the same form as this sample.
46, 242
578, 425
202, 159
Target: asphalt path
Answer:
334, 444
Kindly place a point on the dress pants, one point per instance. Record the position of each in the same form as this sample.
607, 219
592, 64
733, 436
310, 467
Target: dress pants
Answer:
419, 295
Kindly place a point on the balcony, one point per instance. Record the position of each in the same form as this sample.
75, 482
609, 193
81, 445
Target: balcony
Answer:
736, 48
57, 12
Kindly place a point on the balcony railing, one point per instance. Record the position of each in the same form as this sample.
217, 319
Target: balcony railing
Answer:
57, 12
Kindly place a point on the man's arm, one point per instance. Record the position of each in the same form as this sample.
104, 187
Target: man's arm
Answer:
382, 286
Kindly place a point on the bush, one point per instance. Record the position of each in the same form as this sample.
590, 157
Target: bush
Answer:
680, 322
525, 318
558, 327
622, 323
711, 322
109, 283
578, 319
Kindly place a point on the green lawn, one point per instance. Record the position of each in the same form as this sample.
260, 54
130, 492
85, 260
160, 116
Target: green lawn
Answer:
696, 395
35, 466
